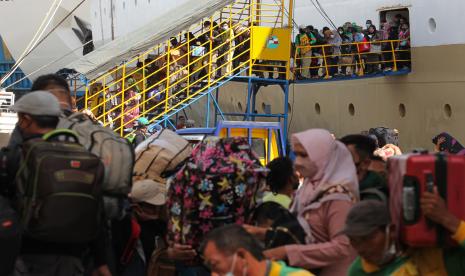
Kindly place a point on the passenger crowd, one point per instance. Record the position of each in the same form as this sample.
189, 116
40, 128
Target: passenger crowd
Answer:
185, 65
352, 49
68, 209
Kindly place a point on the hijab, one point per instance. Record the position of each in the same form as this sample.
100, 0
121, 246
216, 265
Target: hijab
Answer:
447, 143
386, 30
335, 168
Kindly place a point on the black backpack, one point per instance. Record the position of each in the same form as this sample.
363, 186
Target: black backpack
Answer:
10, 237
60, 189
285, 228
385, 136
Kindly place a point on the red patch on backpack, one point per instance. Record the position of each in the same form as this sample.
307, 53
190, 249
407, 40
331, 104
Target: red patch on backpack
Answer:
7, 223
75, 164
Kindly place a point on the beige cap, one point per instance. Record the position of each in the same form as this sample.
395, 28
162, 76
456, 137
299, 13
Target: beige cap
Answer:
148, 191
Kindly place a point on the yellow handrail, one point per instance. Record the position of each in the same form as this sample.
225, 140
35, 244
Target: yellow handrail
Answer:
360, 58
173, 76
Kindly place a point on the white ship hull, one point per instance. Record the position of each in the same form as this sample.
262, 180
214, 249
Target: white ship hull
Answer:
431, 95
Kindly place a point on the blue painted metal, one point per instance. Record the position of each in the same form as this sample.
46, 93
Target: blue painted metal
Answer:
286, 108
207, 117
200, 130
218, 110
249, 96
255, 115
5, 66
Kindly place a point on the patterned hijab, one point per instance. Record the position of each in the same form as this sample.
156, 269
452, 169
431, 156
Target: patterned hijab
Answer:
449, 144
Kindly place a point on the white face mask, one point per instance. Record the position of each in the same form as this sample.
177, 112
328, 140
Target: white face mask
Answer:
306, 167
389, 248
332, 36
231, 270
225, 27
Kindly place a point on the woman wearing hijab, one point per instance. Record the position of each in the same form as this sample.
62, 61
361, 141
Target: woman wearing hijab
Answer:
387, 46
322, 203
444, 142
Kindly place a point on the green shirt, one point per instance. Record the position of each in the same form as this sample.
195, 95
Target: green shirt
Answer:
435, 261
281, 199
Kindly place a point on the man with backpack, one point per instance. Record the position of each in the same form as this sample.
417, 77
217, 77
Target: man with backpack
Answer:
55, 85
56, 186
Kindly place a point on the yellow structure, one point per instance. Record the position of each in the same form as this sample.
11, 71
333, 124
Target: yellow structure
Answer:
157, 83
272, 44
248, 38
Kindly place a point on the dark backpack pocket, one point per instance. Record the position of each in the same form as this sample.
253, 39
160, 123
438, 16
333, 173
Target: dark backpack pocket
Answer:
65, 217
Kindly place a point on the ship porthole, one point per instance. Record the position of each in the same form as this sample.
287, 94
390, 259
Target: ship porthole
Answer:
432, 25
239, 106
351, 109
317, 108
402, 110
448, 110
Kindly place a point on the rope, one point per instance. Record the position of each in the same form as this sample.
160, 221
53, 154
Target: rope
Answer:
34, 40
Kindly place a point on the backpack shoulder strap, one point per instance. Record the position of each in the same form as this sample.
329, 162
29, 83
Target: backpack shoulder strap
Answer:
374, 192
70, 135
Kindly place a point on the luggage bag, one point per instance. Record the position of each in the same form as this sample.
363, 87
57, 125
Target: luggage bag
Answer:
410, 176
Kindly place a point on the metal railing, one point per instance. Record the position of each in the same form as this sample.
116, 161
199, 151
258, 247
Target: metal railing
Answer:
357, 58
170, 75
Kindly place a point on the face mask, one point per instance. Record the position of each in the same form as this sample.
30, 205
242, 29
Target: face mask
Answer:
389, 248
341, 32
231, 270
225, 27
332, 36
306, 167
22, 126
368, 25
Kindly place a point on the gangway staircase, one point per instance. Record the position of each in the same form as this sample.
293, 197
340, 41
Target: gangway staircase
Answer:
164, 80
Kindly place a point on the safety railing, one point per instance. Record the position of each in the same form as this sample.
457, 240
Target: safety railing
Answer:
173, 73
271, 13
357, 58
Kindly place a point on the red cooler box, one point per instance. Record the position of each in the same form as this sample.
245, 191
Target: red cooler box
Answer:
409, 177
